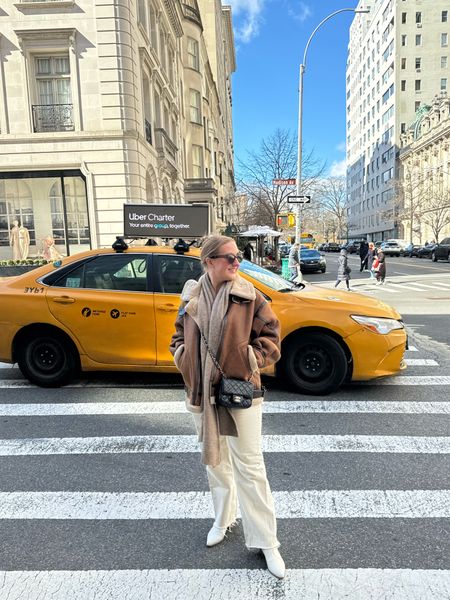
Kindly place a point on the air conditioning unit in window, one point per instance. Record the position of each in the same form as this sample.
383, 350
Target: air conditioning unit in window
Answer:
419, 25
418, 70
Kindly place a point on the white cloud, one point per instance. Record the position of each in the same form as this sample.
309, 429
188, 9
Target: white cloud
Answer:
338, 168
341, 147
301, 12
248, 18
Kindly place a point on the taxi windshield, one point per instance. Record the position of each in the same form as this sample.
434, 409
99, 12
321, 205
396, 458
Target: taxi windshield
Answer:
272, 280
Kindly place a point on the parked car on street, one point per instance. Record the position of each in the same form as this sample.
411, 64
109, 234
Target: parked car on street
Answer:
332, 247
102, 310
391, 248
411, 250
353, 247
441, 251
426, 251
312, 261
284, 250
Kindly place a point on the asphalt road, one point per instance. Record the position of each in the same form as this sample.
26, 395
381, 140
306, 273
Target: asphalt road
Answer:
102, 494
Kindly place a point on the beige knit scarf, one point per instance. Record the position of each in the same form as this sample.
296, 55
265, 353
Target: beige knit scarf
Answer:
216, 420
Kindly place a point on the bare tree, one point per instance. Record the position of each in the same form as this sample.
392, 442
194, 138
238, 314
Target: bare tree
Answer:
276, 159
332, 199
410, 197
437, 213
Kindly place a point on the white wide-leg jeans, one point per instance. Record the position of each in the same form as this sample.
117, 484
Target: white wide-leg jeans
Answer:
241, 475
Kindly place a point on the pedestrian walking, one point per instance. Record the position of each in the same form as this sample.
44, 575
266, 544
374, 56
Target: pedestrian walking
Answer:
248, 251
294, 261
363, 249
381, 269
226, 329
343, 269
370, 257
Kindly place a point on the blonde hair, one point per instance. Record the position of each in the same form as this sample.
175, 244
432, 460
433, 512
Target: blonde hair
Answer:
212, 244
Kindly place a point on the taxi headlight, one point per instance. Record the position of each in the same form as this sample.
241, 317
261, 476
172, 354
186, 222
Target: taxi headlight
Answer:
378, 324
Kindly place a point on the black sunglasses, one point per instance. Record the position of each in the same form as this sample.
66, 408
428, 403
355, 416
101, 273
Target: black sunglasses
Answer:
230, 257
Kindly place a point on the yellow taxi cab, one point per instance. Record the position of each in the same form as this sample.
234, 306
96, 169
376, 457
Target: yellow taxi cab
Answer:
103, 310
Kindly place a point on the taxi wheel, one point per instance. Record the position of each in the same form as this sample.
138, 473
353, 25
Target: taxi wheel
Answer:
47, 359
314, 363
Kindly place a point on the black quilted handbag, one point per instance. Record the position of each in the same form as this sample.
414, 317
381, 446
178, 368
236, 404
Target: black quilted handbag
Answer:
233, 393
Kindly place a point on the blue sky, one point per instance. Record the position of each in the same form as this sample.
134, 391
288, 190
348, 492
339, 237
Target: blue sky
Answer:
270, 38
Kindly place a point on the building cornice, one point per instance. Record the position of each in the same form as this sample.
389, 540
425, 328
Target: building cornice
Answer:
174, 17
229, 37
33, 35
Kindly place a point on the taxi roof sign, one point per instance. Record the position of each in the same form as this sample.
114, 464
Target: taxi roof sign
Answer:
166, 220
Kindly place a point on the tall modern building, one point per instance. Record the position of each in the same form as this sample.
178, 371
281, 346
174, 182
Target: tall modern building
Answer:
398, 60
106, 102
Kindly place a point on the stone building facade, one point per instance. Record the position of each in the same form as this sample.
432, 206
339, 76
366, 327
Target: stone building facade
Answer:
424, 172
106, 102
398, 60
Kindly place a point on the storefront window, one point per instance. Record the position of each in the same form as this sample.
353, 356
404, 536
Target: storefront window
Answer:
43, 215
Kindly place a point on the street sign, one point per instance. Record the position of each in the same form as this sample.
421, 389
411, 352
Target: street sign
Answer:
299, 199
284, 181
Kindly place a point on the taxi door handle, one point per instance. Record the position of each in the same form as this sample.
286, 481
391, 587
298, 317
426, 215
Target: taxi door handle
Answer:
168, 307
63, 300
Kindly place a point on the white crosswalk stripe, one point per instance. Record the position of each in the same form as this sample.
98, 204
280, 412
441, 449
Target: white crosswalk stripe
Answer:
68, 506
396, 287
189, 443
273, 407
304, 504
234, 584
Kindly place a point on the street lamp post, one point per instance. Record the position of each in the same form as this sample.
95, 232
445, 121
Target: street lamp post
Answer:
298, 225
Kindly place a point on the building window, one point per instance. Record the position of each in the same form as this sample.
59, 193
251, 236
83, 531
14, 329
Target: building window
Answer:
418, 17
403, 40
418, 39
51, 206
444, 40
54, 109
444, 16
418, 62
416, 106
403, 18
195, 106
403, 85
388, 174
443, 84
403, 63
402, 127
417, 85
444, 62
193, 54
197, 161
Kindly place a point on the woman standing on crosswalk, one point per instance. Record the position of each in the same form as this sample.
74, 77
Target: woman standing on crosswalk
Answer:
223, 319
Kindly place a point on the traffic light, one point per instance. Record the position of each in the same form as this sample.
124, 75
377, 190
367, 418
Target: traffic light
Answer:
291, 220
282, 220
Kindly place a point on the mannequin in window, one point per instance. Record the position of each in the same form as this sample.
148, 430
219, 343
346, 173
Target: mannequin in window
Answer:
24, 242
14, 240
19, 240
49, 251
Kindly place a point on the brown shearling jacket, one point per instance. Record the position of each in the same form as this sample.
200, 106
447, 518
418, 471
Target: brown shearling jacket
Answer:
250, 338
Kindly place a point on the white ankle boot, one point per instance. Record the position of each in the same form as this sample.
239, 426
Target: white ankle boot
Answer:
274, 562
217, 534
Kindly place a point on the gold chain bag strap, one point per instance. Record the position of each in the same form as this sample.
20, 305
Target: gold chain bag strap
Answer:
233, 393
